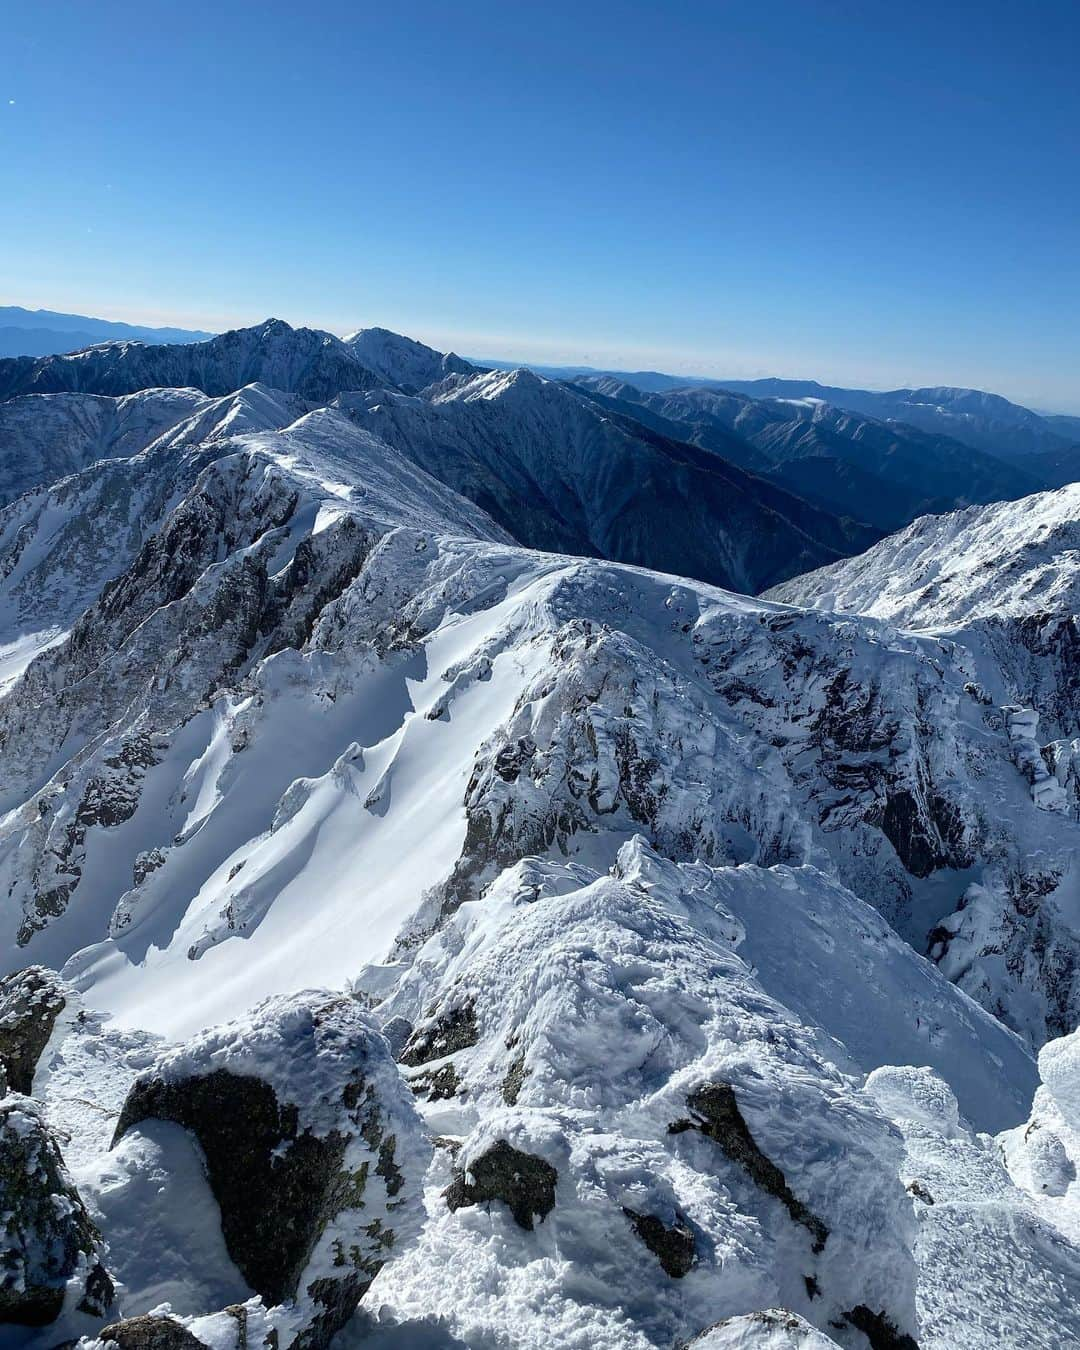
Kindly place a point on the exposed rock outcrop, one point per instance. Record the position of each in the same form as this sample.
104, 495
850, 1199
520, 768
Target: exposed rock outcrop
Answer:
150, 1333
30, 1002
522, 1181
716, 1114
51, 1253
312, 1149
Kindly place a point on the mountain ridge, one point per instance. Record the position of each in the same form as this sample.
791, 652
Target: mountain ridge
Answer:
415, 929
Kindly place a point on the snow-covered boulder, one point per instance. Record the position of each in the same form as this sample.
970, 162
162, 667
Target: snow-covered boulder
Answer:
51, 1254
240, 1326
1043, 1154
770, 1329
31, 1001
313, 1150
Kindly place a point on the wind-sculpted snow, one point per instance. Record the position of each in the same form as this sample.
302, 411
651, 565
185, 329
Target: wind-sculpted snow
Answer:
975, 1222
567, 703
602, 1011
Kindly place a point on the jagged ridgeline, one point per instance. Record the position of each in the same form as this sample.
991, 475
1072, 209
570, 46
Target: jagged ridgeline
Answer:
446, 904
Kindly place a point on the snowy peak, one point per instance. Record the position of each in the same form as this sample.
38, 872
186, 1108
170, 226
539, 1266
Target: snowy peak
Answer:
302, 361
558, 472
402, 362
710, 934
255, 407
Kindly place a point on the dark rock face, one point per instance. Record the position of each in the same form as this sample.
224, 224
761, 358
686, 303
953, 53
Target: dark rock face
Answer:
273, 1208
925, 837
30, 1002
455, 1030
716, 1115
514, 1080
673, 1246
306, 1150
879, 1330
522, 1181
46, 1235
150, 1333
438, 1085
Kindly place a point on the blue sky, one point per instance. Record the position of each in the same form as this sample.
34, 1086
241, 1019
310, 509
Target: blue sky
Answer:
873, 193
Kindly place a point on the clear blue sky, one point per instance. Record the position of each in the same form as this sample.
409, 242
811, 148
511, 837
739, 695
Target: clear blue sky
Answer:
876, 193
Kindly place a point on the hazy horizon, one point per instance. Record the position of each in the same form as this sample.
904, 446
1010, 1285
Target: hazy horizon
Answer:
623, 360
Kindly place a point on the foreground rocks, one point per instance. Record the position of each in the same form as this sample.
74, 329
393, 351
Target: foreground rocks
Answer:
30, 1002
313, 1151
52, 1255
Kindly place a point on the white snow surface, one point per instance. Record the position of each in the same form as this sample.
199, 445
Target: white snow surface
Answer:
1005, 560
616, 996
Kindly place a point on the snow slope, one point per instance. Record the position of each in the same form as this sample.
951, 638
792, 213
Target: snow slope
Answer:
1006, 560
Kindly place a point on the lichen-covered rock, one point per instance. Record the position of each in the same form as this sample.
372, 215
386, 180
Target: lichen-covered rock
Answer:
313, 1150
241, 1326
30, 1002
524, 1183
150, 1332
51, 1254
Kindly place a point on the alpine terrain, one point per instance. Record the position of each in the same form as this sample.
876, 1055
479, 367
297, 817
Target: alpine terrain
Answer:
491, 862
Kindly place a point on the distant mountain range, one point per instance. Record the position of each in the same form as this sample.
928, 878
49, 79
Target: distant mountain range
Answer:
734, 487
44, 332
982, 420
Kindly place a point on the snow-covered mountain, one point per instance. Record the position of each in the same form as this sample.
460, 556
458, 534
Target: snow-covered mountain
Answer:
1007, 560
403, 363
301, 361
979, 419
560, 473
839, 459
417, 937
46, 437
